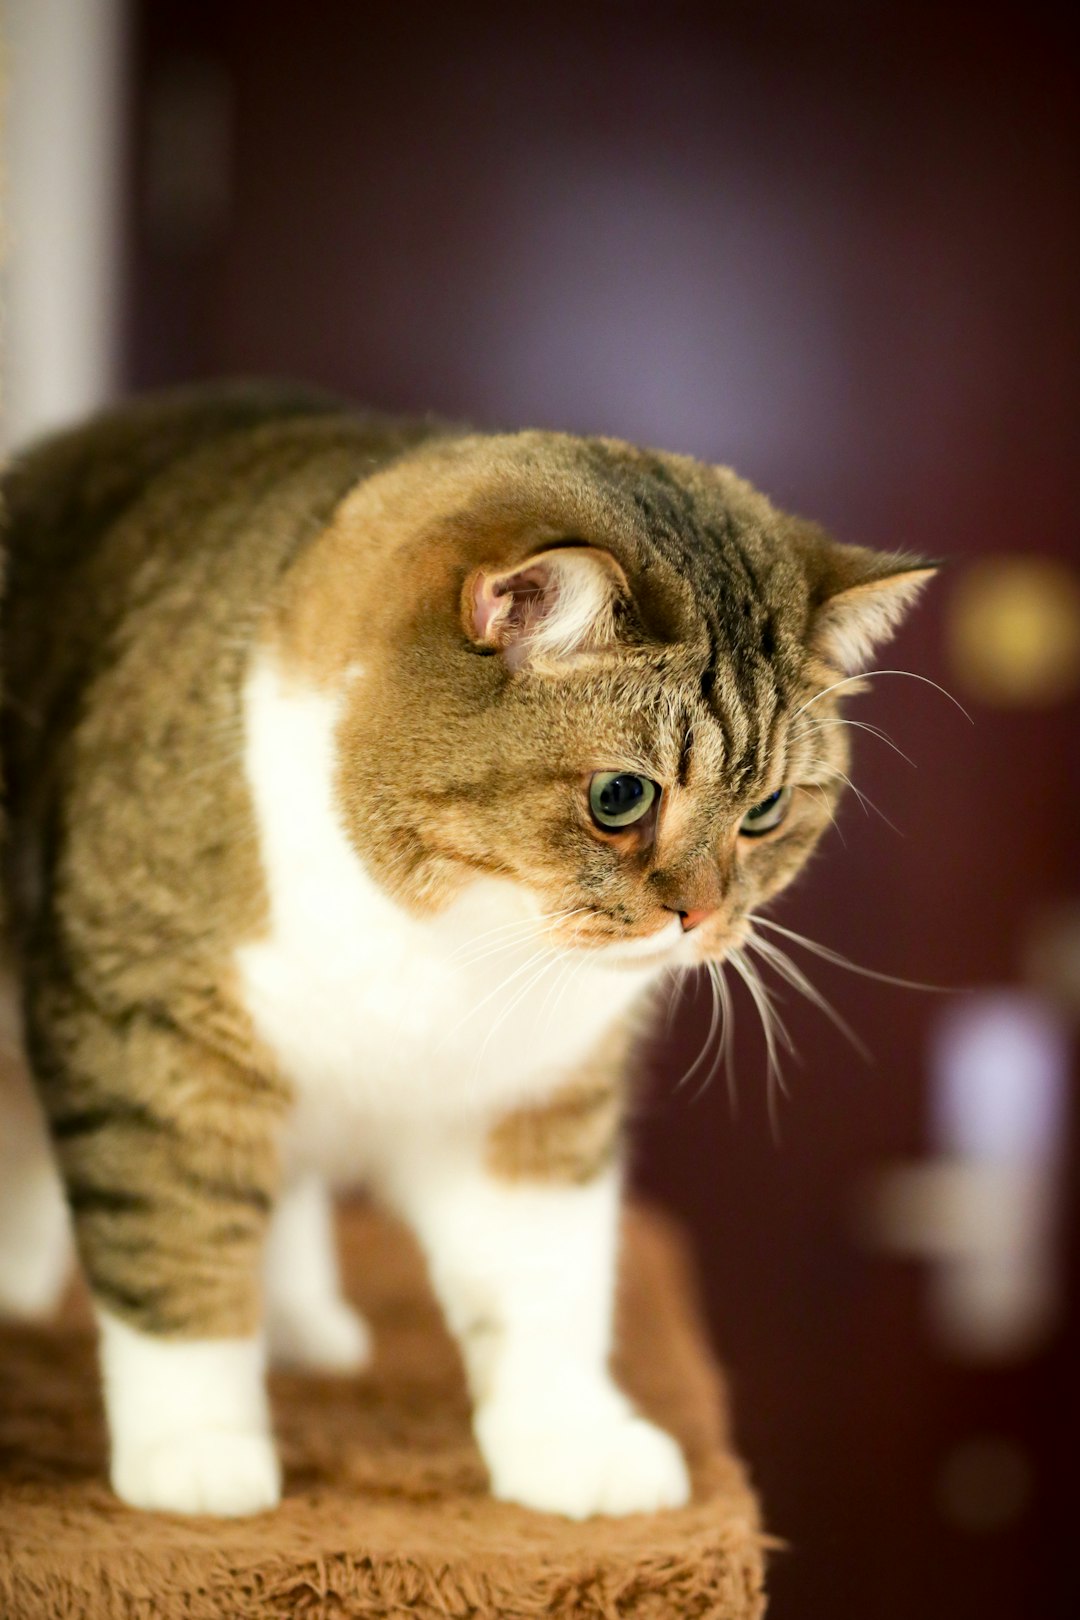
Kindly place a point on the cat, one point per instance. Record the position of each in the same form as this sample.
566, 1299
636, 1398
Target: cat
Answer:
364, 778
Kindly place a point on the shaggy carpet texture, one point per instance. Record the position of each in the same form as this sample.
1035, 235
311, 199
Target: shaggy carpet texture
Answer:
386, 1511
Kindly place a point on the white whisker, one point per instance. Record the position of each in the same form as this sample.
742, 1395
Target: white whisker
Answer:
512, 933
789, 970
772, 1025
861, 725
725, 1055
679, 978
866, 802
545, 950
714, 1017
869, 674
829, 955
519, 995
819, 788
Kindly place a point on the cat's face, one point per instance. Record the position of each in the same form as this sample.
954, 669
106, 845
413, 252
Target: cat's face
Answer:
604, 676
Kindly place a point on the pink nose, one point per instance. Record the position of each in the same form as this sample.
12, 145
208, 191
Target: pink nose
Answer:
690, 919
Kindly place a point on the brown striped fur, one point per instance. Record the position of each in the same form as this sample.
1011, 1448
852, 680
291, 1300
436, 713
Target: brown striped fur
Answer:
151, 553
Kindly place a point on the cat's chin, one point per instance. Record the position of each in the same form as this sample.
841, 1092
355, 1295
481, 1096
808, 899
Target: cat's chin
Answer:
667, 947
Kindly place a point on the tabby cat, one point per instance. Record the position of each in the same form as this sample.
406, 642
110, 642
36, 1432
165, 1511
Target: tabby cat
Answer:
363, 778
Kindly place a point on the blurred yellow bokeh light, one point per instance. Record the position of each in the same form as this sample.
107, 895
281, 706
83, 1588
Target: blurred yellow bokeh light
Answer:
1014, 631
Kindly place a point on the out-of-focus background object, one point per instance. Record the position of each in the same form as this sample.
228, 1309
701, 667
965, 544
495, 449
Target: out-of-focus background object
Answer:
1014, 631
65, 97
835, 245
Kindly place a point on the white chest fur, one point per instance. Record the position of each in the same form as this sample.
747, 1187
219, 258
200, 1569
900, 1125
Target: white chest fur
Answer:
377, 1017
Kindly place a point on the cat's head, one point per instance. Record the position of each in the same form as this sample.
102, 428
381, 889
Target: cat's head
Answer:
605, 676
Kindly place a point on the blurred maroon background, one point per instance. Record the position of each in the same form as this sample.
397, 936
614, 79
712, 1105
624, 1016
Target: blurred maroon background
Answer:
836, 246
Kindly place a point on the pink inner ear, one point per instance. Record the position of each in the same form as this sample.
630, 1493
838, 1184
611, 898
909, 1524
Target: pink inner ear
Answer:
503, 608
486, 607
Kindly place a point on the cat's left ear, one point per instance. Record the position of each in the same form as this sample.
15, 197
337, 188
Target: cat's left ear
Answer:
860, 598
555, 605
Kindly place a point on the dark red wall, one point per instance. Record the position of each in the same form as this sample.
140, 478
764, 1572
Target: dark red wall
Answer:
837, 247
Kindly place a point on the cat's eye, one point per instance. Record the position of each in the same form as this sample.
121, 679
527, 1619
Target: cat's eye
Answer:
620, 798
766, 815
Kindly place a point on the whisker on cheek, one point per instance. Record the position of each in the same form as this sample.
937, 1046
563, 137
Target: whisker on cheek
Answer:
507, 932
827, 954
775, 1030
782, 964
714, 1020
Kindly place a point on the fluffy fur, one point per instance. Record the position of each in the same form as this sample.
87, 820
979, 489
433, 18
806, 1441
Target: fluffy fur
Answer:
301, 713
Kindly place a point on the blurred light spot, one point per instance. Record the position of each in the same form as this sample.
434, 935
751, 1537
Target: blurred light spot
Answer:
984, 1485
1014, 630
984, 1210
1000, 1064
1000, 1073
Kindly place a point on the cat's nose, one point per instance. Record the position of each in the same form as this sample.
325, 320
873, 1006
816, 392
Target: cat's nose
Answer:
690, 919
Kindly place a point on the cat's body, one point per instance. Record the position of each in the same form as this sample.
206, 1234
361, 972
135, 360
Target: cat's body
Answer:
305, 715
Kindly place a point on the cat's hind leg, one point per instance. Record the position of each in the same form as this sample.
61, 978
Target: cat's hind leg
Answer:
309, 1322
169, 1154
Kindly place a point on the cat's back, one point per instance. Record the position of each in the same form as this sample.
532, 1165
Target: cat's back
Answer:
158, 522
158, 466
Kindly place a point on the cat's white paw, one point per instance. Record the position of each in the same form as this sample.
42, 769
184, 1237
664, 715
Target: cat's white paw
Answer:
324, 1336
579, 1463
228, 1475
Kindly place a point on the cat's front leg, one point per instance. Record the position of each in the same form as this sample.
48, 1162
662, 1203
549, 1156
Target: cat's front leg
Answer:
189, 1424
168, 1153
520, 1231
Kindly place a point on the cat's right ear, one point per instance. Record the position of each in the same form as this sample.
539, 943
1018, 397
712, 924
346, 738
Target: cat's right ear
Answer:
553, 607
858, 598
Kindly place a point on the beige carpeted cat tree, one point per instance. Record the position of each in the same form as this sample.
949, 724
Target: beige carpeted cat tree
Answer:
386, 1510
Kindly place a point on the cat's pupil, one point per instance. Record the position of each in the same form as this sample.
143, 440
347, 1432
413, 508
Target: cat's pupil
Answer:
622, 793
766, 804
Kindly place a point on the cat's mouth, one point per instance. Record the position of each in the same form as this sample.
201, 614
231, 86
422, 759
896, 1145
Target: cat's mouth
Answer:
671, 946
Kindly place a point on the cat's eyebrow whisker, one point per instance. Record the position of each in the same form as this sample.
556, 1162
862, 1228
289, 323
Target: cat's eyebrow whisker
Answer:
827, 954
819, 788
820, 723
866, 802
781, 963
869, 674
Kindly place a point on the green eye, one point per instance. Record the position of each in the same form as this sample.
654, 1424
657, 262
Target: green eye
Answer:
766, 815
619, 798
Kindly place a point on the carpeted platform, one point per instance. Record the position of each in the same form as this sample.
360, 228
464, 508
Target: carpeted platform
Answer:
386, 1511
